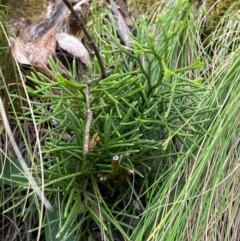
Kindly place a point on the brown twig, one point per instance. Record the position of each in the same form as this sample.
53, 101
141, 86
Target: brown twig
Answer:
89, 111
89, 38
89, 121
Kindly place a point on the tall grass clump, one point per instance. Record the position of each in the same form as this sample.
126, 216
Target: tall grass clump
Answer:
199, 197
161, 161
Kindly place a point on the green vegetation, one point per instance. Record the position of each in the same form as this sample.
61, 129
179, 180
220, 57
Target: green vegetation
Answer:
162, 161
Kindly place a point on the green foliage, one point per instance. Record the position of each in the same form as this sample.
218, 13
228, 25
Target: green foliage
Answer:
136, 115
159, 139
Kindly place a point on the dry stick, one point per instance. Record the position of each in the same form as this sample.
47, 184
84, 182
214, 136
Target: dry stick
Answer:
89, 111
103, 75
89, 120
89, 38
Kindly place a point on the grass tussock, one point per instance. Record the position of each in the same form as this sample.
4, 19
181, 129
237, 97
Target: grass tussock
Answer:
164, 138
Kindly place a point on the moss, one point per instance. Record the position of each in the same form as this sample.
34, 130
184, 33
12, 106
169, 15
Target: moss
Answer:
30, 10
